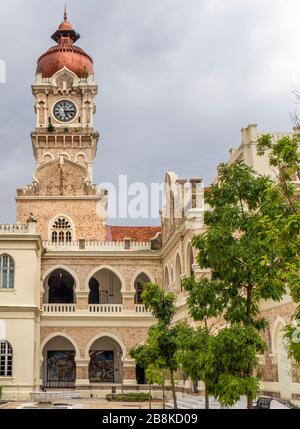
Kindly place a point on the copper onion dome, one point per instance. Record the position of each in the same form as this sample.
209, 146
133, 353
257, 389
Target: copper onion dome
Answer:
65, 53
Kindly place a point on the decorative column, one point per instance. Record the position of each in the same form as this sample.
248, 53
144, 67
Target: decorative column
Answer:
129, 372
82, 373
201, 272
181, 197
42, 371
182, 277
38, 113
91, 124
83, 115
31, 222
90, 170
128, 301
197, 192
82, 300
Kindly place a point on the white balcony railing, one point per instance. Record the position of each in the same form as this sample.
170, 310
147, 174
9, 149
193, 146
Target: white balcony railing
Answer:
14, 229
140, 308
105, 308
97, 246
93, 309
59, 308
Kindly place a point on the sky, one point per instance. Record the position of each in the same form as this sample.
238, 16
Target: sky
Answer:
178, 80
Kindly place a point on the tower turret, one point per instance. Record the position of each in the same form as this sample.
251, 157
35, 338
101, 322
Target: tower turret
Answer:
64, 142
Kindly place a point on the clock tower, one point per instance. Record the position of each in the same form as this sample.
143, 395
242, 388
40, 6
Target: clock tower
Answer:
64, 145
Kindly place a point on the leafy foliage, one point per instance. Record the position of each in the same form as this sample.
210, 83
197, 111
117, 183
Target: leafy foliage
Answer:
284, 156
293, 335
160, 351
160, 303
248, 264
193, 352
230, 353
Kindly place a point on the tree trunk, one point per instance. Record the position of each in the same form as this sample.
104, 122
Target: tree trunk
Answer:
249, 399
164, 393
206, 400
173, 389
250, 368
249, 403
150, 394
206, 394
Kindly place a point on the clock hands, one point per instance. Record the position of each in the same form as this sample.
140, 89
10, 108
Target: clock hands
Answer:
65, 112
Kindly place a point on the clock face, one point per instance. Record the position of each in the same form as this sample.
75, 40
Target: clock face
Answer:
64, 111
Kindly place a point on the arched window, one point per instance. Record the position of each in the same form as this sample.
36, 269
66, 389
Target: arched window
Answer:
61, 231
139, 285
61, 285
6, 359
7, 272
178, 273
167, 278
190, 261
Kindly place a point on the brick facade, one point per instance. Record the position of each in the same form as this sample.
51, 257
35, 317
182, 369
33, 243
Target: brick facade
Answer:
129, 337
82, 212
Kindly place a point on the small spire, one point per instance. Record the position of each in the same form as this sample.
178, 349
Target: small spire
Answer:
66, 14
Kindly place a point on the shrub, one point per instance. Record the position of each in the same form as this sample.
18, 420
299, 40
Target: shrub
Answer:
51, 128
129, 397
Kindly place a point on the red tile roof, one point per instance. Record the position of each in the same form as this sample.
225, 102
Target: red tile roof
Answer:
136, 233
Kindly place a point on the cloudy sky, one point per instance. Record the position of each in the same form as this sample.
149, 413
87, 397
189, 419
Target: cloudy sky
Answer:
178, 78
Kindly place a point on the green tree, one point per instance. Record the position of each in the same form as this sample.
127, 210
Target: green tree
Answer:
147, 357
284, 157
230, 354
193, 355
163, 343
247, 265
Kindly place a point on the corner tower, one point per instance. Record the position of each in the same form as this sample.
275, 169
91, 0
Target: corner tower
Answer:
62, 194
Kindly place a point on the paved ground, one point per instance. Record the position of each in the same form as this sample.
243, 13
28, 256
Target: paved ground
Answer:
102, 404
98, 404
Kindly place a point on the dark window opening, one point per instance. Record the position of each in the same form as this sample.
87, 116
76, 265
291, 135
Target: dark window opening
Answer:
61, 288
94, 295
140, 375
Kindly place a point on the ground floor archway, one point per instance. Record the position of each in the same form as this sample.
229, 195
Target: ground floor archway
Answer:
105, 364
59, 366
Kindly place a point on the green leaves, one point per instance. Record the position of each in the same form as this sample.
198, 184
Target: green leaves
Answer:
230, 388
250, 261
160, 303
241, 247
204, 298
283, 153
284, 229
292, 334
193, 352
160, 352
231, 353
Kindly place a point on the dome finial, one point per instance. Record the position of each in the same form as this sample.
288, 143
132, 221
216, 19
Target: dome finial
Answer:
65, 32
